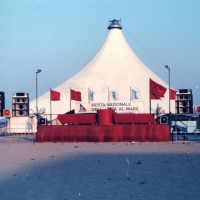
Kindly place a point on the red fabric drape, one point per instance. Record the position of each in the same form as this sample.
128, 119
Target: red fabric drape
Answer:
104, 133
75, 95
134, 118
156, 90
77, 119
55, 96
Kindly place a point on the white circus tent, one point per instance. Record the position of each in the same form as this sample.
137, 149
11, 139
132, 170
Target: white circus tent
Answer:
114, 78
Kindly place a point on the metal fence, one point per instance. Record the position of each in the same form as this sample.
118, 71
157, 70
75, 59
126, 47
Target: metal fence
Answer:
187, 130
22, 135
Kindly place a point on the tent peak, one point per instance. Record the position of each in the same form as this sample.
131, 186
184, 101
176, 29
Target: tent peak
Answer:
115, 24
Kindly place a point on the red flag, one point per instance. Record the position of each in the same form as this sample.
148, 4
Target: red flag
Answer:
55, 96
198, 109
75, 95
156, 90
172, 94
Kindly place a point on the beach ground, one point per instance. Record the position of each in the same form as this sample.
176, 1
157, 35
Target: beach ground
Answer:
127, 170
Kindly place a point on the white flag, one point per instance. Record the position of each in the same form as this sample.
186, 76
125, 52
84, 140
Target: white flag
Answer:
91, 95
113, 95
134, 94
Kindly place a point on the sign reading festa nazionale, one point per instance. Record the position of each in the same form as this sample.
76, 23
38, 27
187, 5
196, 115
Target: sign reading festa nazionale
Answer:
117, 106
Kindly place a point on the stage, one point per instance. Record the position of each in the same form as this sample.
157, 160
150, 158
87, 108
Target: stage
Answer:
104, 133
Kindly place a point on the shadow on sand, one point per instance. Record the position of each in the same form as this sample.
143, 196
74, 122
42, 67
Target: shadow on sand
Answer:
107, 176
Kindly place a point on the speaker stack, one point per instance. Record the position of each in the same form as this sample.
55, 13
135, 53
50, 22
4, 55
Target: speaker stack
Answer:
2, 103
198, 123
20, 104
184, 101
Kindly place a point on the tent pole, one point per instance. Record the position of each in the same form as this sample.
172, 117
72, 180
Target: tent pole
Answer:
149, 97
108, 94
88, 95
70, 99
50, 109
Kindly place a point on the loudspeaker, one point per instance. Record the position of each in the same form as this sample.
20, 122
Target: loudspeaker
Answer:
164, 120
2, 103
184, 101
20, 104
42, 121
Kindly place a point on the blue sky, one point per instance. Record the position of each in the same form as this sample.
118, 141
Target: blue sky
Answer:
60, 37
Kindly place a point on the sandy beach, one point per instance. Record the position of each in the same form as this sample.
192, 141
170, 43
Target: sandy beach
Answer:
70, 171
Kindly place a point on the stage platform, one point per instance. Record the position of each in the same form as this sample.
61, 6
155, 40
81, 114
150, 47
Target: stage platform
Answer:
104, 133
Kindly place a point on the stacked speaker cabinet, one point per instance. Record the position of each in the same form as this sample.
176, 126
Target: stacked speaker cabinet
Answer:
184, 101
20, 104
198, 123
2, 103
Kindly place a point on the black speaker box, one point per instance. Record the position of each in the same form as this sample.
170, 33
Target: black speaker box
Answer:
2, 103
42, 121
20, 104
164, 120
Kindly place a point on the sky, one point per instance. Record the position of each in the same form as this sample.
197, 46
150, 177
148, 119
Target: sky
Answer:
61, 36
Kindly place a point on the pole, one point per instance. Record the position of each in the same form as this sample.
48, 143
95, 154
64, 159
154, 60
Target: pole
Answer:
108, 95
168, 68
70, 99
36, 96
149, 96
169, 103
38, 71
89, 95
50, 109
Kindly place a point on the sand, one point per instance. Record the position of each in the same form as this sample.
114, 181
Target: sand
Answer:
70, 171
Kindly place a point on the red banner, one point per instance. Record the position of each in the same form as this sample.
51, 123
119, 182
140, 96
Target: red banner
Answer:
172, 94
55, 96
198, 109
156, 90
75, 95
